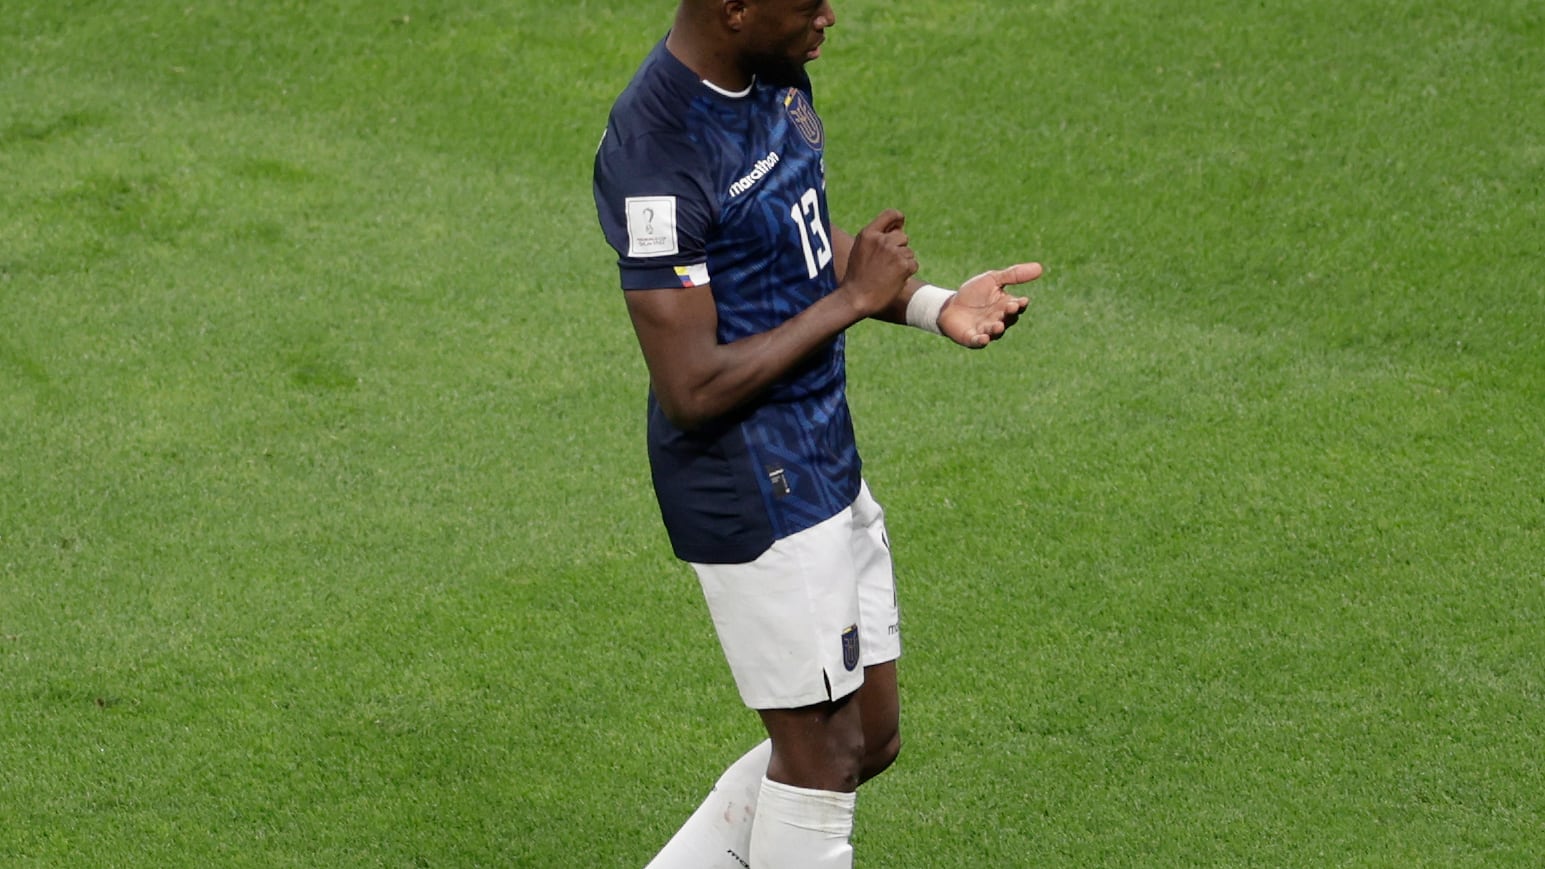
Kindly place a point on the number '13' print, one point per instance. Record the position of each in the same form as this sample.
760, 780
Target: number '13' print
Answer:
807, 216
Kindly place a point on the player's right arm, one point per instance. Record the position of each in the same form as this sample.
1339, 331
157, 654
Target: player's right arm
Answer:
696, 379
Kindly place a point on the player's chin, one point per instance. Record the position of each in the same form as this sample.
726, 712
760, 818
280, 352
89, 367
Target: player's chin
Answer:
783, 70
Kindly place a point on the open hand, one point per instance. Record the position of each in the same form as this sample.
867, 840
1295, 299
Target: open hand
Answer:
980, 312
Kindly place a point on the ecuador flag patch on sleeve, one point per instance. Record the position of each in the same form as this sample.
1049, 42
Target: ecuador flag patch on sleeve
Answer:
693, 276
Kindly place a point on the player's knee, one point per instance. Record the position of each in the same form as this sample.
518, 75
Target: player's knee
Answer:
835, 762
891, 749
880, 753
851, 761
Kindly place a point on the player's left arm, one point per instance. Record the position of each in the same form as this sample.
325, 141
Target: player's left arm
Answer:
979, 313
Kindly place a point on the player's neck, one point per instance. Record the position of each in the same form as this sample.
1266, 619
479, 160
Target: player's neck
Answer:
712, 63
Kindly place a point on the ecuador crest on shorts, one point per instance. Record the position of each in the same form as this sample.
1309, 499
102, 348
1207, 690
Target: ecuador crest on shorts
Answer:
850, 648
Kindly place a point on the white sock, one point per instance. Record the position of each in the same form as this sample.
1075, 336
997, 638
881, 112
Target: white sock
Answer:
718, 835
797, 828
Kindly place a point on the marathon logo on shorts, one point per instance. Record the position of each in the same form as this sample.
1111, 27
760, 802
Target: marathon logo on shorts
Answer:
850, 648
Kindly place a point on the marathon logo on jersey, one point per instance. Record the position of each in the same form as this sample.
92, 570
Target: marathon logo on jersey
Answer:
652, 226
757, 173
850, 648
806, 121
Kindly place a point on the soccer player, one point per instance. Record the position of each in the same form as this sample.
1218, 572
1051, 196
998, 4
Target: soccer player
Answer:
710, 184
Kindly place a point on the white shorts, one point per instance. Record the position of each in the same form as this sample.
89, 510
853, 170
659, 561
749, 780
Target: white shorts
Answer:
801, 622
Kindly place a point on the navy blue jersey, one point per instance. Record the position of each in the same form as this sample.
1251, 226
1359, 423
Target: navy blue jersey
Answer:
696, 186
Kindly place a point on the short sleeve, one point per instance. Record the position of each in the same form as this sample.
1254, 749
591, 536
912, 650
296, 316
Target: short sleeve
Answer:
652, 197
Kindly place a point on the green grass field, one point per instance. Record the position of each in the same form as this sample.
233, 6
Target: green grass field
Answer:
325, 530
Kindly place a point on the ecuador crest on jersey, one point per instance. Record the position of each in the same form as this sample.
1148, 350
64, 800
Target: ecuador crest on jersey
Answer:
804, 117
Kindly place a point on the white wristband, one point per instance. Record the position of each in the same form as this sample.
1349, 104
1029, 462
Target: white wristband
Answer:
924, 307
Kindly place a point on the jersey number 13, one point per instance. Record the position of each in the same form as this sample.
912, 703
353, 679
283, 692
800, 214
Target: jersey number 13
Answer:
807, 216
